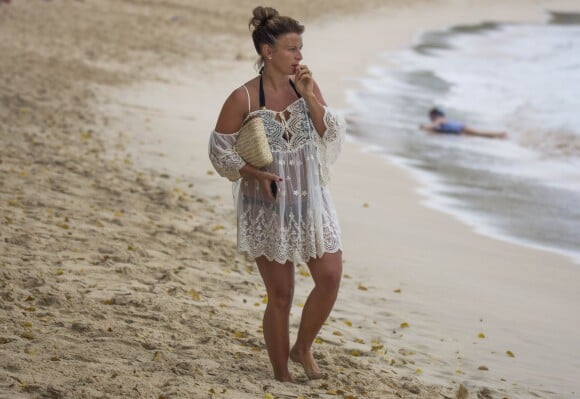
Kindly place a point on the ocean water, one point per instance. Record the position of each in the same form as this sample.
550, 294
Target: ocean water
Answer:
520, 78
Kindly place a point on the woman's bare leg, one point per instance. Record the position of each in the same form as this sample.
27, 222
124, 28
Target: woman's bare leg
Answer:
279, 281
491, 135
326, 272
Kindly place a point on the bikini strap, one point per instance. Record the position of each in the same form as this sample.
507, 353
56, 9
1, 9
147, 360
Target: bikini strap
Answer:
263, 97
248, 93
294, 87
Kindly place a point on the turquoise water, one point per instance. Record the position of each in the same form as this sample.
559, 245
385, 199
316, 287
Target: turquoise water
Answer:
519, 78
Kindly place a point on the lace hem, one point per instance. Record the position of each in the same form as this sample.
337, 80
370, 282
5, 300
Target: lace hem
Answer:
283, 261
296, 239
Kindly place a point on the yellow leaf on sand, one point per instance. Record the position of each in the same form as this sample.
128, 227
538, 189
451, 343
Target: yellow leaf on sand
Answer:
376, 348
265, 300
85, 136
398, 290
268, 396
337, 333
359, 340
218, 227
194, 294
240, 334
59, 272
366, 205
419, 371
362, 287
355, 352
318, 340
481, 335
405, 325
348, 323
510, 354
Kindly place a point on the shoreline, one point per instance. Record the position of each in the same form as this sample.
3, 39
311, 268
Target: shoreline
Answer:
406, 242
432, 186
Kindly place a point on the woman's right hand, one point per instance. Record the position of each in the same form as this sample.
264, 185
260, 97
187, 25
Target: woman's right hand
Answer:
265, 180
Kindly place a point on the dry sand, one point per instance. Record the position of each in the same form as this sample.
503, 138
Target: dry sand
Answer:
118, 271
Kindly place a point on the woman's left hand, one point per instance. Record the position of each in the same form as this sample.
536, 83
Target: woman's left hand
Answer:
303, 80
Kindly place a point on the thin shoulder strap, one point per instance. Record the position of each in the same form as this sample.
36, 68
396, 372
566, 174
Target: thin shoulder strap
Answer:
294, 87
263, 97
248, 93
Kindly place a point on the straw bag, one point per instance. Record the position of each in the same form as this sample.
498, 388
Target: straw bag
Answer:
252, 143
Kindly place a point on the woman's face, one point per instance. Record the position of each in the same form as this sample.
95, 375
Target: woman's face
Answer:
287, 52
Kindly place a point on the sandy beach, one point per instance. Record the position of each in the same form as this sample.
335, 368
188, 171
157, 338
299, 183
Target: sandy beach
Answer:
119, 276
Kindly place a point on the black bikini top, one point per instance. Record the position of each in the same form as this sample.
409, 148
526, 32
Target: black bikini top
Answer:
263, 97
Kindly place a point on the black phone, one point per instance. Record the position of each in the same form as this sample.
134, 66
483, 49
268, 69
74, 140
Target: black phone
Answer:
274, 188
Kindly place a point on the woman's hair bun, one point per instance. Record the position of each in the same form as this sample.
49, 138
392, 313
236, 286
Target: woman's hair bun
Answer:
261, 16
267, 25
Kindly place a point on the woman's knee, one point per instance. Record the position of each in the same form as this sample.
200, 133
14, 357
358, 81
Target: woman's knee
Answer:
281, 298
330, 279
279, 281
327, 272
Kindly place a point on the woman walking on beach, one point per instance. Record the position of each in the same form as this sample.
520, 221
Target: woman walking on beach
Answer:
285, 213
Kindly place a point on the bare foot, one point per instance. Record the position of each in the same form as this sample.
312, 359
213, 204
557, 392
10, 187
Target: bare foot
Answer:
307, 361
500, 135
284, 378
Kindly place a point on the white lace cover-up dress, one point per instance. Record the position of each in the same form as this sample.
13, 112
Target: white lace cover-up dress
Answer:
302, 222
